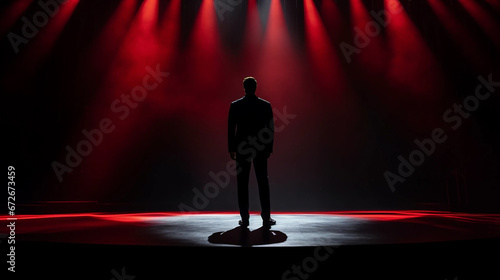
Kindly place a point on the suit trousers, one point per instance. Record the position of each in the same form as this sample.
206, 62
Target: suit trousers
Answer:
243, 175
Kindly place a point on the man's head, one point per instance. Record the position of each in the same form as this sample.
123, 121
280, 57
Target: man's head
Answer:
250, 85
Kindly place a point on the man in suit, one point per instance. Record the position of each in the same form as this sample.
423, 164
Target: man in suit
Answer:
250, 139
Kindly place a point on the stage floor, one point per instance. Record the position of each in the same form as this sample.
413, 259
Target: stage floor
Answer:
292, 229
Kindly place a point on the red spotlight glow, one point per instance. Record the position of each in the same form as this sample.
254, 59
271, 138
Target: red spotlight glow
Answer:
462, 36
168, 38
276, 35
139, 49
203, 65
412, 62
48, 35
142, 45
321, 52
205, 30
253, 33
368, 34
204, 53
333, 19
12, 14
495, 4
38, 48
170, 29
111, 36
484, 19
277, 63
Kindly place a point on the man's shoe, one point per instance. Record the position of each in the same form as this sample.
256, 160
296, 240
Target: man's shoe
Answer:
269, 223
244, 223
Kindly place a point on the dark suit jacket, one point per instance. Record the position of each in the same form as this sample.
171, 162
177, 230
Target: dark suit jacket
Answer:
250, 118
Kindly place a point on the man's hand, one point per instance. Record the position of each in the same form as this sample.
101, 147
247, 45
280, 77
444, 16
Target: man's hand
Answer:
233, 155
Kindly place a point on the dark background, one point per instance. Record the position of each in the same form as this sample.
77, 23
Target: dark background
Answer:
350, 127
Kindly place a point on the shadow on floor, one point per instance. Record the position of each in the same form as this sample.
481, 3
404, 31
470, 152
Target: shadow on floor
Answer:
244, 237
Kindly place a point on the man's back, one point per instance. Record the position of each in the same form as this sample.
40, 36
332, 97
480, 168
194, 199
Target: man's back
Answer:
250, 117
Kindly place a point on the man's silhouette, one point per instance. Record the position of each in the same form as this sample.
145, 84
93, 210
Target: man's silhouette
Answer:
250, 139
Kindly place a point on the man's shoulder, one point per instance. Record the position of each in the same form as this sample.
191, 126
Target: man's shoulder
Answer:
243, 101
237, 101
264, 101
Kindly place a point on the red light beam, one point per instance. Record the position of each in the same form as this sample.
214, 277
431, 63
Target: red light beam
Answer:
484, 19
104, 48
462, 36
48, 28
412, 61
204, 54
12, 14
277, 65
321, 53
368, 39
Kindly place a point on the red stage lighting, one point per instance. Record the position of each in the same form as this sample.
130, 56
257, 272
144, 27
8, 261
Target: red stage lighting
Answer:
332, 18
277, 64
104, 48
416, 81
368, 38
464, 39
170, 30
164, 101
139, 49
321, 53
204, 46
48, 35
495, 4
12, 14
484, 19
253, 34
45, 28
412, 61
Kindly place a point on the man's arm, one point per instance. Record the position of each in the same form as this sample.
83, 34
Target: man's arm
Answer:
231, 131
270, 119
